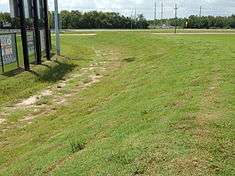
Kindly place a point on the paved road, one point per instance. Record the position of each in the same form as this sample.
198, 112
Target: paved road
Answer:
197, 33
154, 31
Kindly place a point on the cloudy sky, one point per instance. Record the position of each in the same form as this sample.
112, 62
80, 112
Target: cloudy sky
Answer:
127, 7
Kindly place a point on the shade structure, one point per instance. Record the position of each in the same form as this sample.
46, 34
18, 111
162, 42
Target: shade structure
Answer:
28, 8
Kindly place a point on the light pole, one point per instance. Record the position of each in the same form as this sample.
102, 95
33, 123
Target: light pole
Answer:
57, 32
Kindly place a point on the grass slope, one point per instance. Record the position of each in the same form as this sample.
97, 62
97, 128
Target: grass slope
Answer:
168, 110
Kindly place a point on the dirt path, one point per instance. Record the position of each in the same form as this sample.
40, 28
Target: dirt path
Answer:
46, 101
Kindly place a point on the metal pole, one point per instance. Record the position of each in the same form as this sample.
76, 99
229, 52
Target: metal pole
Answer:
176, 8
135, 19
47, 33
17, 57
2, 63
24, 34
37, 32
57, 32
200, 13
131, 19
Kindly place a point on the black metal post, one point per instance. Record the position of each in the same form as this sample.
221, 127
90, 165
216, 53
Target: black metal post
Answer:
37, 32
23, 34
47, 33
1, 58
17, 57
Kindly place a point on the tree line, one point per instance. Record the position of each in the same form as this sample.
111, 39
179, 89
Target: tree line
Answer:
197, 22
6, 21
87, 20
112, 20
101, 20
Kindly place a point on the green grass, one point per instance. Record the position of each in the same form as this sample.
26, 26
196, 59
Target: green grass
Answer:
27, 84
167, 110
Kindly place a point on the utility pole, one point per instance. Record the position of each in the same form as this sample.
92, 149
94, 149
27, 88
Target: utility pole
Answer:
135, 18
131, 19
200, 14
57, 31
176, 8
162, 13
155, 13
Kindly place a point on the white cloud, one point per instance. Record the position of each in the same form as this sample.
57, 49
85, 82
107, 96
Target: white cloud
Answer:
186, 7
4, 2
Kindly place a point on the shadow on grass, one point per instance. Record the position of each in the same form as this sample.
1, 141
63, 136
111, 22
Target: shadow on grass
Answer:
129, 59
14, 72
54, 74
48, 74
78, 58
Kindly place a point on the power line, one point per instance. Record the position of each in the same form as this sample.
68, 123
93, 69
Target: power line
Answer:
225, 10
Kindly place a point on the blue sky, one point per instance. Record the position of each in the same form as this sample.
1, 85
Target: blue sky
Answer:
127, 7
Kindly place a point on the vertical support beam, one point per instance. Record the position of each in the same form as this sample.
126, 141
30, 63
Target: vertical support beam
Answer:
23, 34
47, 33
17, 56
57, 31
37, 32
1, 58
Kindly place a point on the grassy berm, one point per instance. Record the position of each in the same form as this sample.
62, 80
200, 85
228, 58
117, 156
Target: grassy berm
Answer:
123, 103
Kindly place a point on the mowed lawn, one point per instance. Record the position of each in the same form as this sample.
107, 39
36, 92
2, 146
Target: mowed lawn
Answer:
165, 107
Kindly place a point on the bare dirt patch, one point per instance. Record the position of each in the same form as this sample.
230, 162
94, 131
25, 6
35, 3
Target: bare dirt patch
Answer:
2, 121
192, 164
28, 102
46, 93
59, 94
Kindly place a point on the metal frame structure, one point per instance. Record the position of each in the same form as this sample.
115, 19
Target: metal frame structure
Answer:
34, 9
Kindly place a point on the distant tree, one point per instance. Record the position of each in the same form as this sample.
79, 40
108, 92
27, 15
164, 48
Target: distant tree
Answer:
66, 19
231, 21
96, 20
204, 22
5, 18
111, 20
142, 23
